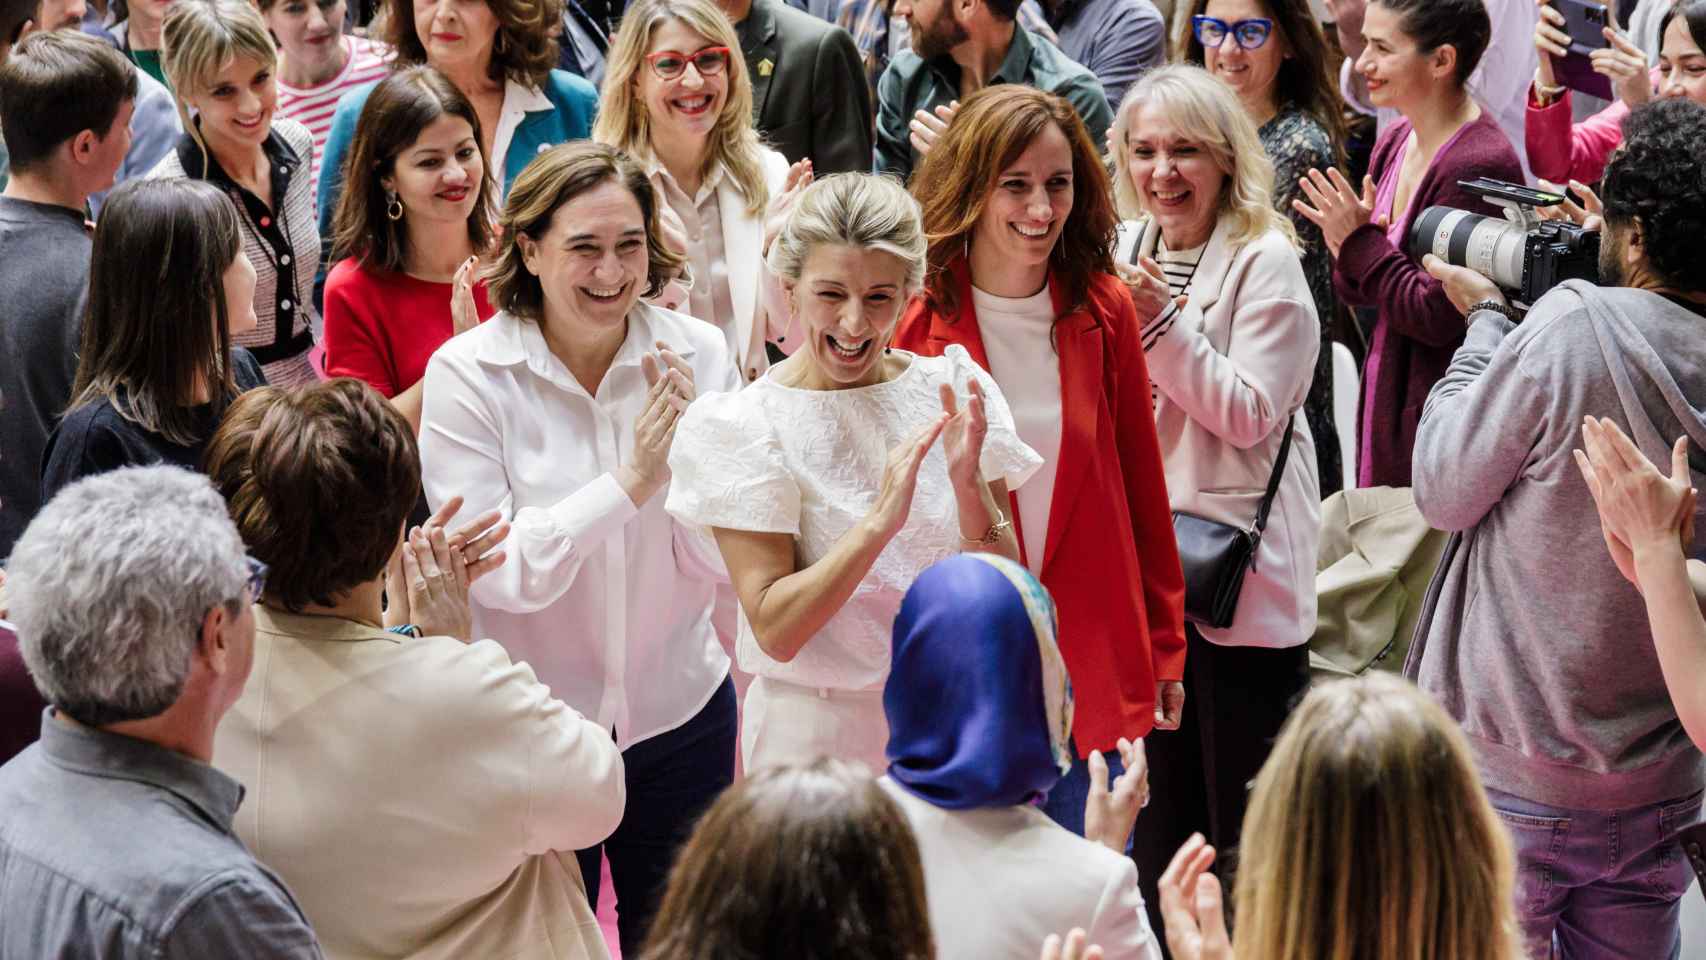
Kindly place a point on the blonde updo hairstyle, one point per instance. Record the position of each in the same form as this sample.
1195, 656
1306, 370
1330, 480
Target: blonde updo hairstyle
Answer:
861, 210
623, 121
1369, 837
200, 38
1204, 110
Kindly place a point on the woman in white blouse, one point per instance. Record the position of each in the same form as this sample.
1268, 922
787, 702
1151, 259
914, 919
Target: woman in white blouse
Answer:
1231, 369
559, 412
841, 474
678, 99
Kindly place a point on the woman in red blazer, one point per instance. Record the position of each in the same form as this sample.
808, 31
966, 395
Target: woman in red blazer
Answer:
1020, 218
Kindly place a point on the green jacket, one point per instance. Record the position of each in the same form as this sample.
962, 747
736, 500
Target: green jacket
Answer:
911, 84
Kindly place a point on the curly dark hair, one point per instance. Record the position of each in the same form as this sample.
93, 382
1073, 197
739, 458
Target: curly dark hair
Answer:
954, 183
1656, 179
319, 481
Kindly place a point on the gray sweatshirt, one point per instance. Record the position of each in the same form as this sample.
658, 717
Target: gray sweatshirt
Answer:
1532, 639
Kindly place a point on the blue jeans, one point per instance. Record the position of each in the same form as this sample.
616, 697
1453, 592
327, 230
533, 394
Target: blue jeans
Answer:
1599, 885
672, 778
1065, 803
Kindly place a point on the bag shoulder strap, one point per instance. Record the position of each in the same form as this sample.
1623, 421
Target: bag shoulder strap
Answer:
1274, 480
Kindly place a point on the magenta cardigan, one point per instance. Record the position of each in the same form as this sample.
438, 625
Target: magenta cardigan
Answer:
1423, 328
1560, 151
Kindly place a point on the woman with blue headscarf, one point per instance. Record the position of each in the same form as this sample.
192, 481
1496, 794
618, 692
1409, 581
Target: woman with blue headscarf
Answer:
979, 708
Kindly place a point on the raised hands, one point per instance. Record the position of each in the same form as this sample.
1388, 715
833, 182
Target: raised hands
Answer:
1639, 507
464, 313
429, 575
1111, 810
1335, 206
800, 176
1622, 62
927, 127
1191, 905
671, 389
1589, 214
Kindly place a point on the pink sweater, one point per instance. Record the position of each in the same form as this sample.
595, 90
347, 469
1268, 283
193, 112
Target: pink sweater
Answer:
1559, 151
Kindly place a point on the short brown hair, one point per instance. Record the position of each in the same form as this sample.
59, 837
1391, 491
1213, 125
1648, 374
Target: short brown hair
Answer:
953, 185
808, 862
56, 84
319, 481
525, 49
400, 107
558, 176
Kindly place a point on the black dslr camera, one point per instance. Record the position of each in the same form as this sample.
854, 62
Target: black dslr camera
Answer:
1521, 253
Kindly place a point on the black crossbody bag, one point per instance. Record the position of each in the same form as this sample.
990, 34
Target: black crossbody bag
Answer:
1216, 555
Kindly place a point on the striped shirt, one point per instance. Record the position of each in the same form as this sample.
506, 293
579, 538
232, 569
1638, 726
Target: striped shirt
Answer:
364, 62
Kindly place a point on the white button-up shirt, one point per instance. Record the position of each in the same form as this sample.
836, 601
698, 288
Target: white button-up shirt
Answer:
610, 604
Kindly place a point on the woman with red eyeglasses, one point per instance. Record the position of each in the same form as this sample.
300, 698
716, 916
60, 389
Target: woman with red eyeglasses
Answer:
677, 98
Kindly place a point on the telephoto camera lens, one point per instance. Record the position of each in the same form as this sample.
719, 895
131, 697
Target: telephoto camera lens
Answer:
1493, 247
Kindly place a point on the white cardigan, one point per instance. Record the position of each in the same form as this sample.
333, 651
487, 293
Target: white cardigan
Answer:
1232, 369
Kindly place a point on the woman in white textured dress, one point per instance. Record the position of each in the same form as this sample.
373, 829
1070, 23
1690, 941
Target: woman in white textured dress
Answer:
833, 480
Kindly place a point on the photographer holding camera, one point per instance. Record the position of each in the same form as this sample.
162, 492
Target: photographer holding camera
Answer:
1530, 637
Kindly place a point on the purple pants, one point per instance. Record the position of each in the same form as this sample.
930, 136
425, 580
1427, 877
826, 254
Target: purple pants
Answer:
1597, 884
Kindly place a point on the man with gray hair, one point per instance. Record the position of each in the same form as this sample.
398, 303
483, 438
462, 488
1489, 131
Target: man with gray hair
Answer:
131, 592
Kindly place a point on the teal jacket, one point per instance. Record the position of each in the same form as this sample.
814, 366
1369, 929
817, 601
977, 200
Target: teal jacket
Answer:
574, 103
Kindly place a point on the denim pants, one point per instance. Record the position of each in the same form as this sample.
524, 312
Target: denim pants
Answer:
672, 778
1596, 884
1065, 803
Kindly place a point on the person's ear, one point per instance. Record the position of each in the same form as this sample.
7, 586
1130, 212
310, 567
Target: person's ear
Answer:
82, 146
529, 252
1635, 244
1444, 61
215, 643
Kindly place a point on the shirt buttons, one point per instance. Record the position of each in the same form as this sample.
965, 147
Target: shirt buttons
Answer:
284, 261
266, 221
544, 147
284, 305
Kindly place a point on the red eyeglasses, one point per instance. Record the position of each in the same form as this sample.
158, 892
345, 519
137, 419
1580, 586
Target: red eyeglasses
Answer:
669, 64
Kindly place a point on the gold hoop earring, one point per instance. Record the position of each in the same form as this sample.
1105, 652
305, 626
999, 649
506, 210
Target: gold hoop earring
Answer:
393, 207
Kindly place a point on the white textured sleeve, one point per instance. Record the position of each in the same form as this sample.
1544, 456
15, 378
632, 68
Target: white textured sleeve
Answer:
726, 469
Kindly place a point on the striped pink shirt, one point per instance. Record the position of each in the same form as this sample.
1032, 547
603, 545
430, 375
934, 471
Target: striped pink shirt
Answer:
364, 62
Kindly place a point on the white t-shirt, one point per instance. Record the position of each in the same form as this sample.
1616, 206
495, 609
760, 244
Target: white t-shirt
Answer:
809, 463
1018, 339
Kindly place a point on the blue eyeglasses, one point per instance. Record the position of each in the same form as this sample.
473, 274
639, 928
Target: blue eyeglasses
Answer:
257, 579
1248, 34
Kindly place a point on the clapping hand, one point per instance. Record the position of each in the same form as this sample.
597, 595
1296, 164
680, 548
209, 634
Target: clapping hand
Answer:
1150, 293
464, 312
1111, 810
1639, 507
927, 127
1335, 206
962, 437
900, 480
1072, 948
429, 575
1191, 905
670, 389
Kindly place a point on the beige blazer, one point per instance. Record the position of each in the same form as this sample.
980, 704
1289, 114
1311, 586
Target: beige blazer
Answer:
421, 798
999, 880
1232, 369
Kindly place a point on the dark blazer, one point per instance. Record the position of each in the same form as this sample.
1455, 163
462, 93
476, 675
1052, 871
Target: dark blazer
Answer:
1417, 329
809, 93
